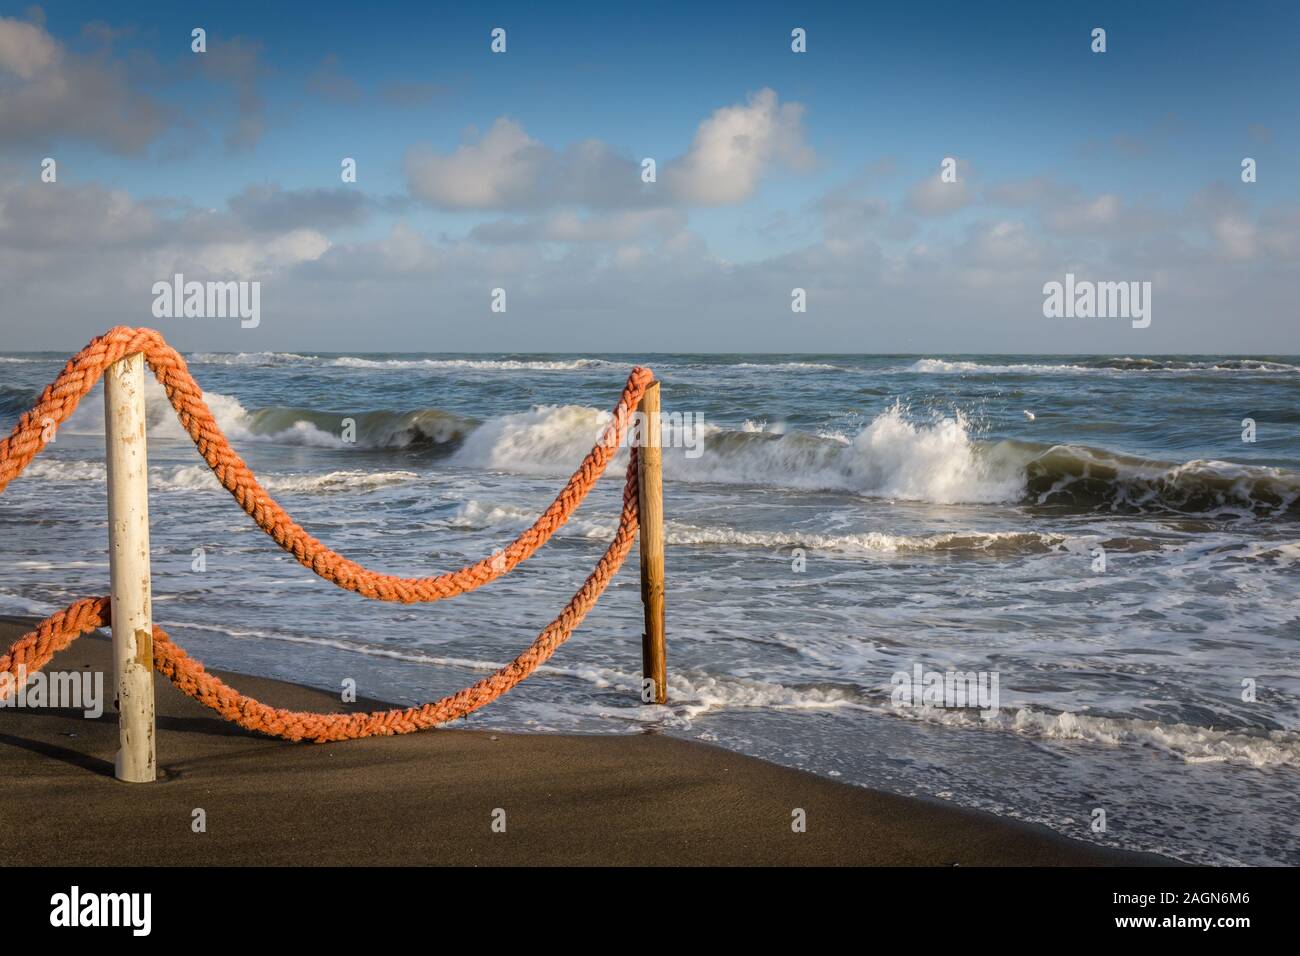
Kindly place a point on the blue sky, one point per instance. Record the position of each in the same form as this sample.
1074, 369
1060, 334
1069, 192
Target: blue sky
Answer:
1121, 166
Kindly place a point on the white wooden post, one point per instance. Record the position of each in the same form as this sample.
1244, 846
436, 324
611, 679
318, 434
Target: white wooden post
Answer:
128, 557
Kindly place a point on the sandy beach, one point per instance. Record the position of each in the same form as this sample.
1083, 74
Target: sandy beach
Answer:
429, 798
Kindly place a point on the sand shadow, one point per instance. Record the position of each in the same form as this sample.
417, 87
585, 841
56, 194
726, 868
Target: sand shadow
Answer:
76, 758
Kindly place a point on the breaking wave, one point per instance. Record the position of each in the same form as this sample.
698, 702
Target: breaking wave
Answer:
278, 359
694, 693
15, 400
934, 366
477, 516
196, 477
940, 460
1090, 479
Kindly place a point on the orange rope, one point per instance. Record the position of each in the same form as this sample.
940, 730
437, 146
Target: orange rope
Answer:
34, 649
60, 398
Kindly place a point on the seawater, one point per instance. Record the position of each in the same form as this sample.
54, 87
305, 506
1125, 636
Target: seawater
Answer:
850, 517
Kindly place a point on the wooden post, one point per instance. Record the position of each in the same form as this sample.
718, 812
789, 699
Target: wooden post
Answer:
128, 562
654, 662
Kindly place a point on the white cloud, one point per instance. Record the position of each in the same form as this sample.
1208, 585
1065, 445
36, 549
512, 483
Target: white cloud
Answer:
502, 170
507, 169
61, 228
932, 196
25, 49
49, 92
735, 147
1063, 209
1235, 236
78, 258
1005, 243
236, 62
1085, 215
568, 226
268, 207
1022, 192
251, 258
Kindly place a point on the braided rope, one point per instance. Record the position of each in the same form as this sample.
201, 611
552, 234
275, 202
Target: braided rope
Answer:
60, 399
35, 648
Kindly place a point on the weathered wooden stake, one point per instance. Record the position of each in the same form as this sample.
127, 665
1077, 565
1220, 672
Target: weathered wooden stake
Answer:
654, 662
128, 562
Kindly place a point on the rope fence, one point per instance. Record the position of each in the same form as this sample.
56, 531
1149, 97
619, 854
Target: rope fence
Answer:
60, 399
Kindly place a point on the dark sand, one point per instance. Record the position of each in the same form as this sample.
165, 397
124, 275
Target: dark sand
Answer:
428, 798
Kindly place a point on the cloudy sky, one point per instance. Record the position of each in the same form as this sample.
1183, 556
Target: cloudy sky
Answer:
775, 170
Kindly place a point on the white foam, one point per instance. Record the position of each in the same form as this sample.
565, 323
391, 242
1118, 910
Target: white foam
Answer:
474, 515
477, 515
945, 367
251, 358
1193, 744
893, 457
934, 366
482, 365
200, 477
869, 542
160, 416
57, 469
548, 439
815, 366
190, 477
696, 693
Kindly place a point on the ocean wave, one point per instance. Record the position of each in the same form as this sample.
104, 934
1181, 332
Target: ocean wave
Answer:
277, 359
1091, 479
14, 399
57, 469
192, 477
262, 359
1185, 365
946, 367
504, 365
1190, 743
876, 542
1281, 553
199, 477
939, 459
797, 366
694, 693
475, 515
892, 457
547, 439
284, 425
427, 428
935, 366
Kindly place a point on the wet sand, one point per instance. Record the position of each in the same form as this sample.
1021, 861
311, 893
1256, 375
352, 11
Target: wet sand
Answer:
432, 798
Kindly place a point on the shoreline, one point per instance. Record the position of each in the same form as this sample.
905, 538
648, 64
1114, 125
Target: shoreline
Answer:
431, 798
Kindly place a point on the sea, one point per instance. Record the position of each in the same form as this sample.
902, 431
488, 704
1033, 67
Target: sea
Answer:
1112, 542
